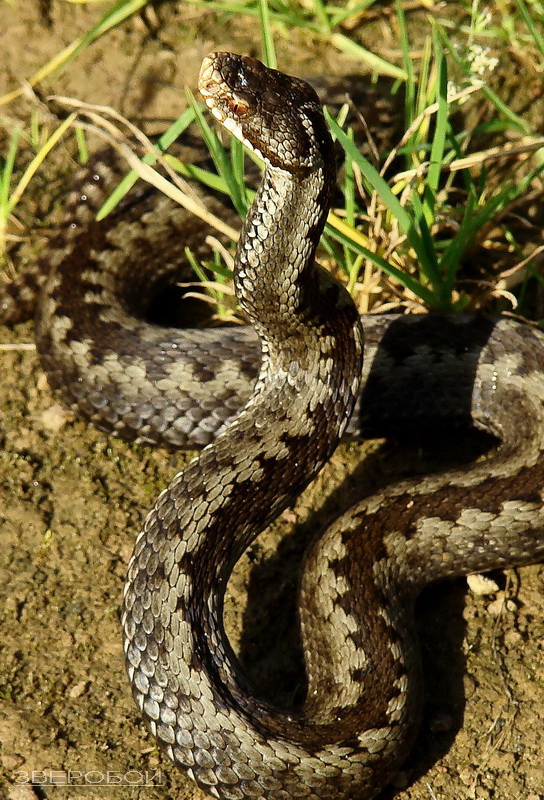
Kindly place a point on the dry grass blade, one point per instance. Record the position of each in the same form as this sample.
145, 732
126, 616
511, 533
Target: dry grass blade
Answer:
99, 117
528, 144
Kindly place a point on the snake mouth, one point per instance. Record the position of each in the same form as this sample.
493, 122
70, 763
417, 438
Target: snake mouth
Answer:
213, 89
209, 78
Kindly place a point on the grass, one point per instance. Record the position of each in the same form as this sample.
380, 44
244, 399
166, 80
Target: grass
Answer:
409, 219
323, 21
12, 192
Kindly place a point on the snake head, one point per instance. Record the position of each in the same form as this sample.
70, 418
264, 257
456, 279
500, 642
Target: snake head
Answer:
277, 116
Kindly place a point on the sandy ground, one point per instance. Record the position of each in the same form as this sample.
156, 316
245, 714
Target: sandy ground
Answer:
72, 501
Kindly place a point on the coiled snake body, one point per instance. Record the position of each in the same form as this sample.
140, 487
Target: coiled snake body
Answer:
362, 576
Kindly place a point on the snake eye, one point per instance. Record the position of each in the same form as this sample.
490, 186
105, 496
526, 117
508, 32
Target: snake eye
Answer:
238, 107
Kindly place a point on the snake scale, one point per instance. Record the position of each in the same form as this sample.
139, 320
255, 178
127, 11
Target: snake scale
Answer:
287, 409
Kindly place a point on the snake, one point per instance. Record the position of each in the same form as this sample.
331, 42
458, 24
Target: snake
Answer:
268, 403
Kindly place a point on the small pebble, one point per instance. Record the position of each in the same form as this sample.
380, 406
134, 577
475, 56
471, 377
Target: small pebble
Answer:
481, 585
499, 605
54, 418
78, 689
512, 638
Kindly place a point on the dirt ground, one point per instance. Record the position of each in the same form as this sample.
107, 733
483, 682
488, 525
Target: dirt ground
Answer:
72, 501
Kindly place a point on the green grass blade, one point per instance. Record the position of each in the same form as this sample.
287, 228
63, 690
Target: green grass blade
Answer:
516, 122
425, 89
453, 253
237, 159
223, 272
429, 264
529, 21
292, 17
335, 253
349, 188
221, 160
376, 64
7, 173
319, 23
269, 51
410, 101
82, 146
210, 179
439, 138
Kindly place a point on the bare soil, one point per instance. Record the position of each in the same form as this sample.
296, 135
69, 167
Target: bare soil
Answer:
72, 501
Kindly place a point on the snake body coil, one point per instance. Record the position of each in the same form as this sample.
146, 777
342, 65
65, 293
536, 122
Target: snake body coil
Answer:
361, 578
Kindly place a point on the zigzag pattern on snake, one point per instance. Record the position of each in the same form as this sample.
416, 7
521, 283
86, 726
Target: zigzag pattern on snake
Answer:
363, 574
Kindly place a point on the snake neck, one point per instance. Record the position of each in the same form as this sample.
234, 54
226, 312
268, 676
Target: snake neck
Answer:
277, 283
311, 345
